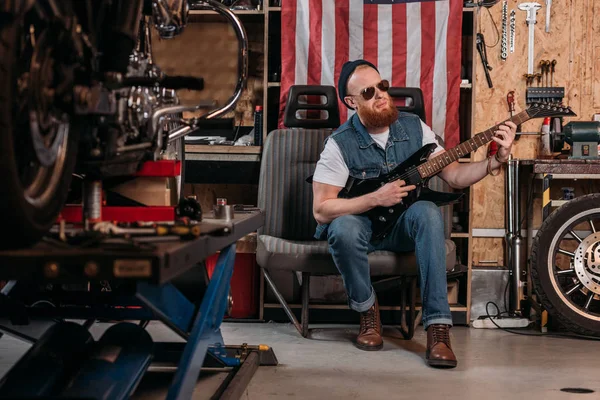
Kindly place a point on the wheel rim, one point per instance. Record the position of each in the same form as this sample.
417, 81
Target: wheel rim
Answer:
41, 130
578, 286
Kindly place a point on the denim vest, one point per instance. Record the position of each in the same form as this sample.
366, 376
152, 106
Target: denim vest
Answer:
365, 159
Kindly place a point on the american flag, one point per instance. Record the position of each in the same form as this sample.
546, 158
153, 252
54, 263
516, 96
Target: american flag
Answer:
413, 43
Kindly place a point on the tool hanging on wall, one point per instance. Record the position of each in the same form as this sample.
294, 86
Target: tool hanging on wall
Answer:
513, 25
504, 45
483, 54
531, 10
547, 93
548, 6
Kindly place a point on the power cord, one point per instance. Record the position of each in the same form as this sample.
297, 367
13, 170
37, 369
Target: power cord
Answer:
554, 335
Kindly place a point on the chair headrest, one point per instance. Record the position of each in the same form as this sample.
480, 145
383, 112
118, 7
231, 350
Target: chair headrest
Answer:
325, 107
415, 105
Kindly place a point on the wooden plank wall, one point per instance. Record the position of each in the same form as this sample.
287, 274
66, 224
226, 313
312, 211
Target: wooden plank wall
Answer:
574, 41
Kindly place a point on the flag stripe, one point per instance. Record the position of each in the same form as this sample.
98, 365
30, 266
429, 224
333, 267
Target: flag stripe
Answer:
356, 41
385, 48
342, 48
413, 49
399, 46
314, 53
302, 41
370, 28
328, 42
440, 79
427, 55
454, 48
288, 53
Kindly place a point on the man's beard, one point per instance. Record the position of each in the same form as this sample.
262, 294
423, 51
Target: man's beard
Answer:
374, 119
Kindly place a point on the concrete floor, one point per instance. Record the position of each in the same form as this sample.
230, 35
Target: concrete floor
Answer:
492, 365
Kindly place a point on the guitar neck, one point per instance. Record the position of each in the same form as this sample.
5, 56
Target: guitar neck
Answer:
437, 163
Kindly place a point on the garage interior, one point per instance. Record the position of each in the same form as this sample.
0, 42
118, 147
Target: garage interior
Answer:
173, 255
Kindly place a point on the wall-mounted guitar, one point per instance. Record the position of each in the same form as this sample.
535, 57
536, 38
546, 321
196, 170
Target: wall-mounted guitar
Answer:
417, 170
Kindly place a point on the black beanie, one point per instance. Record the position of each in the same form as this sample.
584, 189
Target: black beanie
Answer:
347, 70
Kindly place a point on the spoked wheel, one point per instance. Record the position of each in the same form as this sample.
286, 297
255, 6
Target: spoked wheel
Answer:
565, 265
38, 138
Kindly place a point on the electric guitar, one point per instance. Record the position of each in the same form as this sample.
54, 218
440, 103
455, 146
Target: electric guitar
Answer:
418, 169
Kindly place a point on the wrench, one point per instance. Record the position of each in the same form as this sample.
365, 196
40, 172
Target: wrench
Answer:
531, 9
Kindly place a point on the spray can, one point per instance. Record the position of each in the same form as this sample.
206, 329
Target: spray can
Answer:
258, 125
545, 150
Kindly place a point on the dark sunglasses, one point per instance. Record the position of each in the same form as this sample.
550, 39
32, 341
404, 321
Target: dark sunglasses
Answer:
369, 92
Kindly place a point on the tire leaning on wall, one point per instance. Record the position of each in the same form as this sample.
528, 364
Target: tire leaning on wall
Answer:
551, 288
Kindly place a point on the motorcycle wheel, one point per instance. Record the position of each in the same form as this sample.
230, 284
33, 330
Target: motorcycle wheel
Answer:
565, 265
38, 141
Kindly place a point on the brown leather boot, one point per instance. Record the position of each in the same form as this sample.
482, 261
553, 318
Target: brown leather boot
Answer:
369, 337
439, 351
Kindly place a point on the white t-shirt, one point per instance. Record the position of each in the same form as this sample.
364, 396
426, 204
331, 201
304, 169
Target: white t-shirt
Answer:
332, 169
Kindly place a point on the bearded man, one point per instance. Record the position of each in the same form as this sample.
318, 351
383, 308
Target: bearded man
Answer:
375, 140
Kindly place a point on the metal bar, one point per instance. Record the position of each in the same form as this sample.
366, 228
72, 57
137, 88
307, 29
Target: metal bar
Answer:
206, 330
282, 301
589, 300
565, 252
566, 271
592, 226
574, 288
169, 305
8, 287
235, 389
516, 243
305, 301
572, 232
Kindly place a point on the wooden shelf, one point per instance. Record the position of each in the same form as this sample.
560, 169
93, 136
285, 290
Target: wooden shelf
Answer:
203, 148
274, 84
459, 234
274, 8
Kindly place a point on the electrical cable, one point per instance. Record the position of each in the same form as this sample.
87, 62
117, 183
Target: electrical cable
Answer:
554, 335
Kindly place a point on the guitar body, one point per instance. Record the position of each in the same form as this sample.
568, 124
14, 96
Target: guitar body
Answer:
383, 219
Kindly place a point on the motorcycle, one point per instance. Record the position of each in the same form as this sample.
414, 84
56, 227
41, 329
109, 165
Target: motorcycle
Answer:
80, 94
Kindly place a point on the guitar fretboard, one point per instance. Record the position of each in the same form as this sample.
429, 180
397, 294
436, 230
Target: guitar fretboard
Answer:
436, 164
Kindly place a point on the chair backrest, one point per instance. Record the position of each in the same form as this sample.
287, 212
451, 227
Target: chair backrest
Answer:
289, 157
414, 100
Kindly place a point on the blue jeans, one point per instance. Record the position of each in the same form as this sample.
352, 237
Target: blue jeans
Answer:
419, 229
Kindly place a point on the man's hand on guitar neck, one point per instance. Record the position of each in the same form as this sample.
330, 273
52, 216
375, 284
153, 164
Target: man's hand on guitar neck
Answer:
460, 176
392, 193
505, 135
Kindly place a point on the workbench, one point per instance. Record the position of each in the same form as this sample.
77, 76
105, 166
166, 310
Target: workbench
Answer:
141, 271
519, 179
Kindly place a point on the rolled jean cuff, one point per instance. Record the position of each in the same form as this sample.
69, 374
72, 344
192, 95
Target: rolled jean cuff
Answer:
365, 305
437, 320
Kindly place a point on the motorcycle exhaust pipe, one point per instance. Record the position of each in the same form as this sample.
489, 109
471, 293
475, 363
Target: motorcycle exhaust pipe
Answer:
242, 75
116, 366
49, 363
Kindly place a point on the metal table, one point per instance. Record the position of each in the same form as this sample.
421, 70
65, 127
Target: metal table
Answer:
148, 265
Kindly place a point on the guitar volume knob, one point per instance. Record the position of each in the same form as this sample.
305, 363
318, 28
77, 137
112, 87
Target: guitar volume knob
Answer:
391, 210
382, 218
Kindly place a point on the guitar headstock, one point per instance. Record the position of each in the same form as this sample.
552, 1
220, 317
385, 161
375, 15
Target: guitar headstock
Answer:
541, 110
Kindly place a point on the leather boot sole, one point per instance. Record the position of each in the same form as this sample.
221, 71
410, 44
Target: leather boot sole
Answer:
368, 348
442, 363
